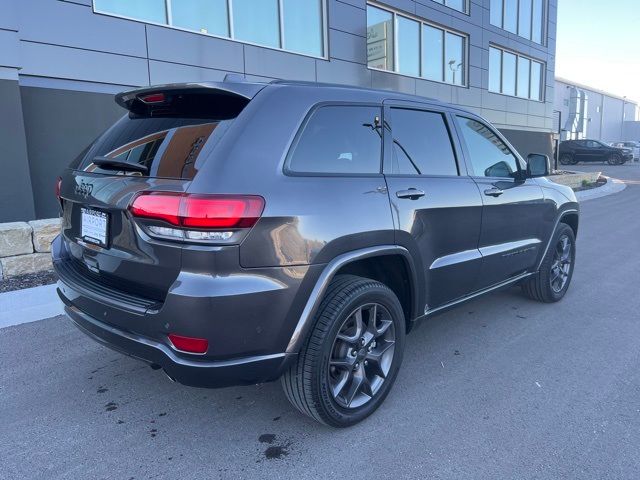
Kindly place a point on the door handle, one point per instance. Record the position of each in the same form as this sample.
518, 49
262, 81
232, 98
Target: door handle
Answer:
410, 193
493, 192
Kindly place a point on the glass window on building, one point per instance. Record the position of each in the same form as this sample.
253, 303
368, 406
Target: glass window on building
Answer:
408, 50
495, 69
495, 13
524, 71
524, 19
459, 5
508, 73
205, 16
510, 15
147, 10
536, 81
454, 58
256, 21
303, 28
516, 75
379, 38
537, 21
420, 49
432, 53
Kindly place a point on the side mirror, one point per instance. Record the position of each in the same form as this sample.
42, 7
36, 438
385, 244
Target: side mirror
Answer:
538, 165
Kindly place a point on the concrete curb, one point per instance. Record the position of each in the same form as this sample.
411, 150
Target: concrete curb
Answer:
612, 186
29, 305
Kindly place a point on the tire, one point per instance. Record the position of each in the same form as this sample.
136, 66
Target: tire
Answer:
326, 360
566, 159
545, 286
614, 159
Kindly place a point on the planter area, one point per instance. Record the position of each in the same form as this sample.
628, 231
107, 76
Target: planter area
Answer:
575, 180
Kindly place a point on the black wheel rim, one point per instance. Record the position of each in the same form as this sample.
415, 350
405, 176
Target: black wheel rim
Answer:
361, 355
561, 265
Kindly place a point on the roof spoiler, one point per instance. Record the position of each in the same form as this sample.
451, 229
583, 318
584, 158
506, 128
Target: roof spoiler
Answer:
140, 100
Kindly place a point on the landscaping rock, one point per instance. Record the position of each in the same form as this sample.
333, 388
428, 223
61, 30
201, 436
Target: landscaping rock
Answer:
15, 239
23, 264
44, 231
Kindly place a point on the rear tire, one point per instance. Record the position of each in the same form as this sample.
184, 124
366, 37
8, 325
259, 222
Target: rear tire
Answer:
566, 159
553, 279
344, 371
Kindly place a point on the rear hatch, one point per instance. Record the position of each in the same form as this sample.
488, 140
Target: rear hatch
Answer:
160, 145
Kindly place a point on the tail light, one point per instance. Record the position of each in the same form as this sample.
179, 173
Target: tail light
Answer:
189, 344
58, 188
197, 217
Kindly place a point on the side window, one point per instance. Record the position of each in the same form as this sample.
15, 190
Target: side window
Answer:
592, 144
489, 156
339, 139
421, 143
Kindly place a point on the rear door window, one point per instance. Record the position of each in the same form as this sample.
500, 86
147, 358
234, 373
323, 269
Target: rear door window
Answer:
421, 143
338, 139
171, 147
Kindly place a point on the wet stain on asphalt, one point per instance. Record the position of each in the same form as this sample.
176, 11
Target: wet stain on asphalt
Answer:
111, 406
266, 438
275, 419
274, 452
102, 390
153, 432
162, 414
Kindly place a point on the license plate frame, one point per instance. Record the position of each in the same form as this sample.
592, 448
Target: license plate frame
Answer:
94, 226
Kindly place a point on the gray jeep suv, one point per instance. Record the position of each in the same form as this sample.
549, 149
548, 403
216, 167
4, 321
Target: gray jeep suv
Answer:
234, 233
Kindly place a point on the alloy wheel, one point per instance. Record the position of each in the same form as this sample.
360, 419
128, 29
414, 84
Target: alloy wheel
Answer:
361, 355
561, 265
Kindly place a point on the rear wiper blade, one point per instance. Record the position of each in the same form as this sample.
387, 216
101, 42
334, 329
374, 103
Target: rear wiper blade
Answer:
115, 164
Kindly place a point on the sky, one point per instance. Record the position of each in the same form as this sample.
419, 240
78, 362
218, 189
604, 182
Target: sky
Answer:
598, 44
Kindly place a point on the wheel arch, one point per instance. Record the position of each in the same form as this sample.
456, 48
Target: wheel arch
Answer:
571, 217
385, 263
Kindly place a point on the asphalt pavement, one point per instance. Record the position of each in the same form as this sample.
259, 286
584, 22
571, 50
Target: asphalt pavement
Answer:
500, 388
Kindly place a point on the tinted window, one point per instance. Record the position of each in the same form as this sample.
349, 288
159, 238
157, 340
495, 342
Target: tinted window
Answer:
303, 26
206, 16
511, 16
339, 139
421, 143
408, 46
536, 23
536, 80
256, 21
149, 10
168, 147
489, 156
495, 13
379, 38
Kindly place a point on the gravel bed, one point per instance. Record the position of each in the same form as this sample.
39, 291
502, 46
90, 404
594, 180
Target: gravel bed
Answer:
28, 281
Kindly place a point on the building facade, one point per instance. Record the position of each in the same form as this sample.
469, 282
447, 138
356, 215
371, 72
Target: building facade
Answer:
62, 60
586, 112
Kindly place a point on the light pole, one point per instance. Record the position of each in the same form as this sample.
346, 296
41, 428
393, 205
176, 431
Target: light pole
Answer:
454, 68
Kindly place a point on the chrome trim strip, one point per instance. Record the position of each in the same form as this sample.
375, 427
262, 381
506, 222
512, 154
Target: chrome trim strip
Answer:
454, 258
505, 247
479, 293
323, 282
553, 232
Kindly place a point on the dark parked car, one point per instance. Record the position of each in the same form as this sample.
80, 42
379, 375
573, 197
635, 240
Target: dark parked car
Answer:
234, 233
574, 151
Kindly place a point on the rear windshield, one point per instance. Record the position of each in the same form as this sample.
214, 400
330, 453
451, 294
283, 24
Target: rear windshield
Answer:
169, 147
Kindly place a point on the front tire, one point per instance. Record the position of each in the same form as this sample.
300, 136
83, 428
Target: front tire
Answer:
352, 356
553, 279
614, 159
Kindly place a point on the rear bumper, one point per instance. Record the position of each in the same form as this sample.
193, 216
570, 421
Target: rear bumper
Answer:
207, 374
